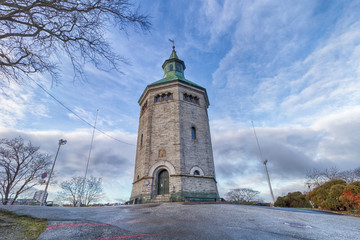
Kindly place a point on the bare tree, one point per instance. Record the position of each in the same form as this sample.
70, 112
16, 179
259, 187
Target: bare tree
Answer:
72, 190
357, 173
20, 166
242, 195
316, 177
350, 175
33, 33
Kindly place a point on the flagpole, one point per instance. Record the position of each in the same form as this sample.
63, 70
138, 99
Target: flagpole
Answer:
264, 163
88, 160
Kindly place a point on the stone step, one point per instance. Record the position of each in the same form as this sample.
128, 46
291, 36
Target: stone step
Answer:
161, 198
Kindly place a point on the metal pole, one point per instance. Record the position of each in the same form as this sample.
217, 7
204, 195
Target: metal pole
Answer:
264, 163
88, 160
42, 202
268, 179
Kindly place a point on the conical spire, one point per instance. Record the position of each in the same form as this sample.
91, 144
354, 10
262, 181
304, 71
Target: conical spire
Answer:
173, 54
173, 67
173, 71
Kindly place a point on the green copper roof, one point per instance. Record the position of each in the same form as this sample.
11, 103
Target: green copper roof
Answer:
173, 71
173, 54
171, 79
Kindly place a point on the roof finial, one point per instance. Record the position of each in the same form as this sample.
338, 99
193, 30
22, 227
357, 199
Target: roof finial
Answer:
173, 42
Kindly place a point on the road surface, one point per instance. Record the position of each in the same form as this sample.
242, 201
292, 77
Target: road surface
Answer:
194, 221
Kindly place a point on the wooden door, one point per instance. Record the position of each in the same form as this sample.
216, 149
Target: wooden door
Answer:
163, 182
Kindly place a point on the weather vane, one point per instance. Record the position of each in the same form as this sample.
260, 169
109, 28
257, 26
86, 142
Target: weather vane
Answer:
173, 42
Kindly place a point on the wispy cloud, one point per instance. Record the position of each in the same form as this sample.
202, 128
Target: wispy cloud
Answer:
292, 68
110, 160
16, 102
291, 151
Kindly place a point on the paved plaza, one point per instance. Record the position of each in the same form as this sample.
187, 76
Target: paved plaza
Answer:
194, 221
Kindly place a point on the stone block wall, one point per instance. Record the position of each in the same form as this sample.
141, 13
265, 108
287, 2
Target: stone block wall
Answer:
165, 141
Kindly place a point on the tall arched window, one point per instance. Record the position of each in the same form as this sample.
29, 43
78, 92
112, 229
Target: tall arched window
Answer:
157, 98
193, 133
141, 140
178, 67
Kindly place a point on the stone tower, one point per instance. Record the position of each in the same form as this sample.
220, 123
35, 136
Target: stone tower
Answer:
174, 158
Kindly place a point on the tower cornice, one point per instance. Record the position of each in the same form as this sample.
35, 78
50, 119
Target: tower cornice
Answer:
183, 83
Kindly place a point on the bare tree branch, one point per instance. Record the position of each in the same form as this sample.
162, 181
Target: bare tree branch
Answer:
242, 195
34, 32
20, 166
72, 190
316, 177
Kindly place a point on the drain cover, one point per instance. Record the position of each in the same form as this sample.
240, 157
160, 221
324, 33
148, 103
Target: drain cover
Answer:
297, 225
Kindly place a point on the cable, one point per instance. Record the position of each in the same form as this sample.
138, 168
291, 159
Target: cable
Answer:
82, 119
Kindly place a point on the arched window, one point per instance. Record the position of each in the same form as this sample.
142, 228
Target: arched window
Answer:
141, 140
171, 67
138, 177
196, 173
178, 67
143, 108
193, 133
191, 98
163, 97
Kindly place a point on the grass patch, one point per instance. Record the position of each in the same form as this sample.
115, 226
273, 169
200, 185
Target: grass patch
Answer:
13, 226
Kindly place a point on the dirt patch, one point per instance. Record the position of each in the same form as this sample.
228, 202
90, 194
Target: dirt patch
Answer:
20, 227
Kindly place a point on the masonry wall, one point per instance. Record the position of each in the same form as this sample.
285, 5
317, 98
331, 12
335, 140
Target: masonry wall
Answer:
165, 128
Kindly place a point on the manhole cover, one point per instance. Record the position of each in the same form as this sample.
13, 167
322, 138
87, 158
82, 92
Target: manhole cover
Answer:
297, 225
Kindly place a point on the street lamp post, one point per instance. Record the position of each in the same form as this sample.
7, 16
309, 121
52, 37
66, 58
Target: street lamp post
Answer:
42, 202
268, 180
265, 167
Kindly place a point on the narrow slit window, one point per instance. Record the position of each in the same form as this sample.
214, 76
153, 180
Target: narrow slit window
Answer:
193, 133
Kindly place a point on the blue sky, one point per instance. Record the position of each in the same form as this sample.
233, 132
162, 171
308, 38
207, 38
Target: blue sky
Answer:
292, 67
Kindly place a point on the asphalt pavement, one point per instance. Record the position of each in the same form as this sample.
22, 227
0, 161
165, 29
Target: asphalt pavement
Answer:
190, 221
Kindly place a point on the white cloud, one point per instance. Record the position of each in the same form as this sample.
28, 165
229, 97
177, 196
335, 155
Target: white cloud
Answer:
110, 160
16, 102
331, 141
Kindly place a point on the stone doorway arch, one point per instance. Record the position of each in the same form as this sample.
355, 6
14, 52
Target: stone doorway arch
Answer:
163, 182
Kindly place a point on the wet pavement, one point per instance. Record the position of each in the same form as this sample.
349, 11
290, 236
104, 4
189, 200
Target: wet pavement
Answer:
195, 221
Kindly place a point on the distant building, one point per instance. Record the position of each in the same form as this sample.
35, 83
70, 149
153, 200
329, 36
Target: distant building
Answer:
174, 158
37, 195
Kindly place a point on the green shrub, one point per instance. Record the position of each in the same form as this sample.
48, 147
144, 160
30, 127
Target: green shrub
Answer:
351, 196
280, 202
327, 195
293, 199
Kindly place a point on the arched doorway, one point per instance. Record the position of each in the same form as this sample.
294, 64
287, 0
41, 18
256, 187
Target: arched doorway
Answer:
163, 182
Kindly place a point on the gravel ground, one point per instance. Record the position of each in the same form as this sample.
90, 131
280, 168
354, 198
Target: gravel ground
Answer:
198, 221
